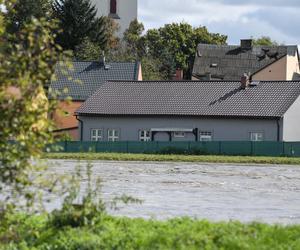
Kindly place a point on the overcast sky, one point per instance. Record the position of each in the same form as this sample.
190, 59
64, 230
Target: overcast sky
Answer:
279, 19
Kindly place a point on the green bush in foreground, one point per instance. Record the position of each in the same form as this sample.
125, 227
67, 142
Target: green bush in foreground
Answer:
175, 158
123, 233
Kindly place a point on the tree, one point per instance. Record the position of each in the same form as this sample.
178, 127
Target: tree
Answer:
77, 20
91, 51
26, 66
151, 69
24, 10
134, 40
264, 41
88, 51
179, 42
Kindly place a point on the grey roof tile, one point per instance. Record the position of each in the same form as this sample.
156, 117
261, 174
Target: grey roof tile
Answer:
233, 62
86, 77
191, 98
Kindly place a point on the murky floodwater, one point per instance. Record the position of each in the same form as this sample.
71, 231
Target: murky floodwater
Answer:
211, 191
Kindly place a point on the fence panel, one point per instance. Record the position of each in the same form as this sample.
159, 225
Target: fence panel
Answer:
291, 149
268, 148
236, 148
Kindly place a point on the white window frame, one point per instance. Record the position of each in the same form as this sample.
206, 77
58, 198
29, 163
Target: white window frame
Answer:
98, 135
205, 135
257, 136
144, 135
179, 134
113, 137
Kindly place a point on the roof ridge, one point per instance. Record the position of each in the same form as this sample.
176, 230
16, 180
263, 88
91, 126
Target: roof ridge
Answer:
95, 61
197, 81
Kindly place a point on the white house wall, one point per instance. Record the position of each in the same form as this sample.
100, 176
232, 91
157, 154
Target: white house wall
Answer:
292, 67
291, 122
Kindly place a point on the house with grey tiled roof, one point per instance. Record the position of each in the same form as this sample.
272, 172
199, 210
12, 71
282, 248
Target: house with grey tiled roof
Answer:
192, 111
79, 82
261, 63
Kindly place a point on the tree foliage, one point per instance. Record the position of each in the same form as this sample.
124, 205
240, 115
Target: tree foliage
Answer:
178, 42
24, 10
26, 66
134, 40
264, 41
78, 20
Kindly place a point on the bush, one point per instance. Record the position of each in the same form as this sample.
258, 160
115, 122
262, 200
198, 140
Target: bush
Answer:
124, 233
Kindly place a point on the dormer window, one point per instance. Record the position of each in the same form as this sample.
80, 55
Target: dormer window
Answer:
113, 6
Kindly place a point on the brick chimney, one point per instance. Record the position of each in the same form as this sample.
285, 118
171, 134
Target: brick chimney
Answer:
179, 75
245, 81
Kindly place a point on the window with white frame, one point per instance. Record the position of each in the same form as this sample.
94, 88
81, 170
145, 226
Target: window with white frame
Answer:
256, 136
113, 135
179, 134
96, 135
205, 136
144, 135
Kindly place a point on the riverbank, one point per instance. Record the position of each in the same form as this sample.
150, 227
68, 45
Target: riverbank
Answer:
38, 232
175, 158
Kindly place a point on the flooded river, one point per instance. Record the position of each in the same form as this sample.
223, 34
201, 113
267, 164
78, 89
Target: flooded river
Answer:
206, 191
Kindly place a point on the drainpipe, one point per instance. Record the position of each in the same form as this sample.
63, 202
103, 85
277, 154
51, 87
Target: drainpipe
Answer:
278, 129
81, 128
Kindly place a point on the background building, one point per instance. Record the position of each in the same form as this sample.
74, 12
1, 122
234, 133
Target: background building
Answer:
80, 83
122, 11
261, 63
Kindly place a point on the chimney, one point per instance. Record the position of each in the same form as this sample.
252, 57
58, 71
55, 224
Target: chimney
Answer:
103, 59
179, 75
208, 76
245, 81
246, 44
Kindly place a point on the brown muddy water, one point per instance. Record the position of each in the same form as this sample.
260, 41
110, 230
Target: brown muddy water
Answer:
217, 192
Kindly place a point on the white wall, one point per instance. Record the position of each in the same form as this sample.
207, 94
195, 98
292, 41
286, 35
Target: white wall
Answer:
127, 10
291, 125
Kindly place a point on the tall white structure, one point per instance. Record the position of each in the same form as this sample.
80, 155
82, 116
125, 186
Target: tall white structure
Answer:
122, 11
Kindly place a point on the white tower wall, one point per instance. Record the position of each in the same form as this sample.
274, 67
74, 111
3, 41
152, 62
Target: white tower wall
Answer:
127, 11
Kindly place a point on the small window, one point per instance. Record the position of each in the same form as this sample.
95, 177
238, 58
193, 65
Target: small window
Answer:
205, 136
113, 6
256, 136
144, 135
179, 134
113, 135
96, 135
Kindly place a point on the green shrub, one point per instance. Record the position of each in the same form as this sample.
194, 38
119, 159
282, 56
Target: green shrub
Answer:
124, 233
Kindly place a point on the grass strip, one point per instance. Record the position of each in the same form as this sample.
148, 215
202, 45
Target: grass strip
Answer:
175, 158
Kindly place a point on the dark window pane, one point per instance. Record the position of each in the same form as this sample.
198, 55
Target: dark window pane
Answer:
113, 6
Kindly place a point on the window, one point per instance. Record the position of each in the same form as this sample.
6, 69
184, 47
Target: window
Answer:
113, 6
96, 135
113, 135
144, 135
205, 136
256, 136
179, 134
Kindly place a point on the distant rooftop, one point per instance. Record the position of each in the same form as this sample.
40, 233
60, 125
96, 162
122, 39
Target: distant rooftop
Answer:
228, 62
87, 76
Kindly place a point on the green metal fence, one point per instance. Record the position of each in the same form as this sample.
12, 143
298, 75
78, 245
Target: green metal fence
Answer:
291, 149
